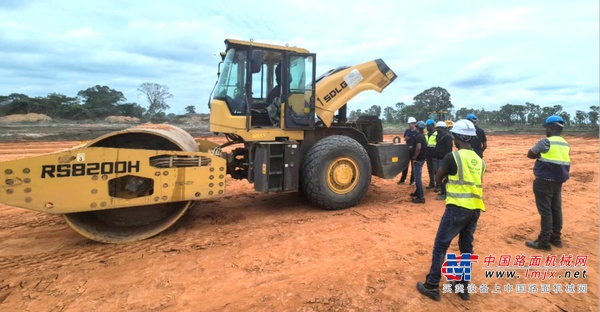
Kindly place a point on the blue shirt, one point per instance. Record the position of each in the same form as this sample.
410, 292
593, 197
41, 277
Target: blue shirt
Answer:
411, 134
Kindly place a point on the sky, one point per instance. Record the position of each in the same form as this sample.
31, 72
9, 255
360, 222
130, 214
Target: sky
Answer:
484, 53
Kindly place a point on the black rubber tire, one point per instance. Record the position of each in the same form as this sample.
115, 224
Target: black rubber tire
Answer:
315, 166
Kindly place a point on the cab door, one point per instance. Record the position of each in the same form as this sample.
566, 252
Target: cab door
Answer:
299, 93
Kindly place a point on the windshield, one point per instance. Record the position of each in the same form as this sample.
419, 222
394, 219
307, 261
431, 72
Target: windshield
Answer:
232, 80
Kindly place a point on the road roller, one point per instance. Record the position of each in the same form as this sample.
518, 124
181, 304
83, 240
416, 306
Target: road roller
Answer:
286, 131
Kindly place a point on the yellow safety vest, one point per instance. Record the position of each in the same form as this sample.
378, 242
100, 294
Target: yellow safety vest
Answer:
555, 164
431, 139
464, 188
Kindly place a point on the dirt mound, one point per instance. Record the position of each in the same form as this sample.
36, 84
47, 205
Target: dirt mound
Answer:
31, 117
121, 119
194, 119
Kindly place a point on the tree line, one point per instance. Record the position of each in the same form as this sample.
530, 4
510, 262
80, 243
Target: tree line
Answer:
96, 102
430, 102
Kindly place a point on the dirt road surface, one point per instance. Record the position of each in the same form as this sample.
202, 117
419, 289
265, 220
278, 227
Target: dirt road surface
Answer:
275, 252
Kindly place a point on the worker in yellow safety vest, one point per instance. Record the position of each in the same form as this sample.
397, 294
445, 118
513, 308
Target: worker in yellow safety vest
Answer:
462, 171
551, 170
429, 152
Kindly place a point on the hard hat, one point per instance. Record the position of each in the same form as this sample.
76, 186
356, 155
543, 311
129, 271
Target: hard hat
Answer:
555, 120
420, 125
440, 124
464, 130
472, 117
449, 123
430, 122
412, 120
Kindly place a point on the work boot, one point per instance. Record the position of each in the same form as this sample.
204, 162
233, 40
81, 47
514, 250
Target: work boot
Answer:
556, 242
430, 291
441, 197
430, 187
414, 194
412, 183
536, 245
464, 294
418, 200
437, 189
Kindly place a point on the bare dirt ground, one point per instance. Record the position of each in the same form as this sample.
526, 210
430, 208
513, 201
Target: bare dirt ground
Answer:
275, 252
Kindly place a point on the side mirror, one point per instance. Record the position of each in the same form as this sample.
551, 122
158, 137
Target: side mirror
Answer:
256, 62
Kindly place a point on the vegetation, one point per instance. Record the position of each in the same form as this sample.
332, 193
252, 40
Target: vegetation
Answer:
509, 115
98, 102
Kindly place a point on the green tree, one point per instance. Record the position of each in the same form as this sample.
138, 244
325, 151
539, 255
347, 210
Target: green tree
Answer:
157, 96
533, 113
593, 115
101, 101
433, 99
389, 114
16, 103
100, 97
54, 104
190, 110
375, 110
131, 110
580, 117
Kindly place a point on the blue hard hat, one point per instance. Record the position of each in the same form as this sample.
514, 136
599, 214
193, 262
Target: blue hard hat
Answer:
430, 122
420, 124
554, 119
471, 117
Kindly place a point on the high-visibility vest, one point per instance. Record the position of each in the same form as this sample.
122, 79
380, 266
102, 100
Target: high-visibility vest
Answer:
555, 164
431, 140
464, 188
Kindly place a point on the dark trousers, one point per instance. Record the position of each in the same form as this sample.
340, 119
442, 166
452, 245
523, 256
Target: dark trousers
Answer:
431, 168
418, 170
405, 172
548, 202
443, 185
455, 221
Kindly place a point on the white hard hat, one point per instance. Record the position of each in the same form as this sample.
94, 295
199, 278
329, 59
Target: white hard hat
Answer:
441, 124
464, 127
412, 120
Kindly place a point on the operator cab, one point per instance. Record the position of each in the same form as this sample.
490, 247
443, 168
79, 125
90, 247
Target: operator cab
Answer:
251, 87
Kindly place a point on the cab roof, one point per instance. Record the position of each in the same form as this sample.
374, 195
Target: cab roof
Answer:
230, 43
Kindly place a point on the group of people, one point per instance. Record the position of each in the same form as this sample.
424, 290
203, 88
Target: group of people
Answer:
460, 174
429, 142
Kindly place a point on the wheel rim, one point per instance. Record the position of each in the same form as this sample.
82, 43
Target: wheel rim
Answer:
342, 175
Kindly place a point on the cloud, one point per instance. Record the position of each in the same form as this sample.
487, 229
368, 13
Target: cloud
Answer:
485, 53
485, 72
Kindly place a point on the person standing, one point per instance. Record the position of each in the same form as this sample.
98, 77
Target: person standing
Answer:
462, 170
431, 164
479, 144
409, 138
551, 170
442, 148
418, 158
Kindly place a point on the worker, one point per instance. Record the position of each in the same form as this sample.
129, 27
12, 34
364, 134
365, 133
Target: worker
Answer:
442, 148
479, 144
409, 138
551, 170
431, 164
462, 171
419, 146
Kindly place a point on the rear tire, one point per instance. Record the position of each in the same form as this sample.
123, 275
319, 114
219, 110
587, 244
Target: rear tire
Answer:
336, 173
